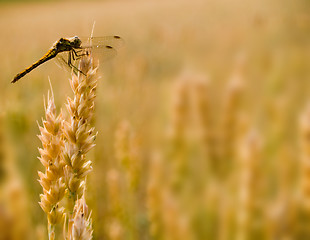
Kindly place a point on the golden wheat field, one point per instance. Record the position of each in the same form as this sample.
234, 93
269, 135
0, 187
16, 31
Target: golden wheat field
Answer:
198, 129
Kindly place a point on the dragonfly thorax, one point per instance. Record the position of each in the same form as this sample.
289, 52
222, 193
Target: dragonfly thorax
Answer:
65, 44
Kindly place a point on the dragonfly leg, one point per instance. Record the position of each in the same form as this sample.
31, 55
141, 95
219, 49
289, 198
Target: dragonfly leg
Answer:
78, 53
75, 54
71, 56
81, 53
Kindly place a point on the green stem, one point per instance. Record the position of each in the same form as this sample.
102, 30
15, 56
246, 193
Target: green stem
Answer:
70, 206
51, 231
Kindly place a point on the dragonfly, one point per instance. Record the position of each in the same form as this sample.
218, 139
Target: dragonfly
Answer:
76, 48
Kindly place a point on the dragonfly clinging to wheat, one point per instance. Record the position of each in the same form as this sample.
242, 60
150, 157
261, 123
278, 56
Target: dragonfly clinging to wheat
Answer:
76, 48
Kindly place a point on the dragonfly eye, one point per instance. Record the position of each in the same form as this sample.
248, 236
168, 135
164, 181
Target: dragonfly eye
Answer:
76, 41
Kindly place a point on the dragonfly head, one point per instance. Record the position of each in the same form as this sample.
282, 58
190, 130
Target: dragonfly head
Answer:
75, 42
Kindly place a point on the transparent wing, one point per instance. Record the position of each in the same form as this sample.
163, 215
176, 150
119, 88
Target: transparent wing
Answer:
103, 48
62, 61
102, 52
98, 42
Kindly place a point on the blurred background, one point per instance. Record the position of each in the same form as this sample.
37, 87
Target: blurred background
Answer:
203, 118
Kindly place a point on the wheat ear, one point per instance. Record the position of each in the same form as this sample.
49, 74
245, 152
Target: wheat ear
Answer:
51, 157
78, 132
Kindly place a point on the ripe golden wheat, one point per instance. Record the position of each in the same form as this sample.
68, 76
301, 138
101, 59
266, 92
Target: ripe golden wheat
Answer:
65, 144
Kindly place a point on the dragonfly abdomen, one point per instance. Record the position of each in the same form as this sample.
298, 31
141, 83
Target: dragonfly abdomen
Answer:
49, 55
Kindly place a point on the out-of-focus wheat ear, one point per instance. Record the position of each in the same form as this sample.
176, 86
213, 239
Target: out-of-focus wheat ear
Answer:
2, 151
115, 228
179, 109
14, 201
179, 133
127, 153
203, 116
176, 220
305, 160
51, 157
249, 190
154, 199
17, 203
228, 127
302, 199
